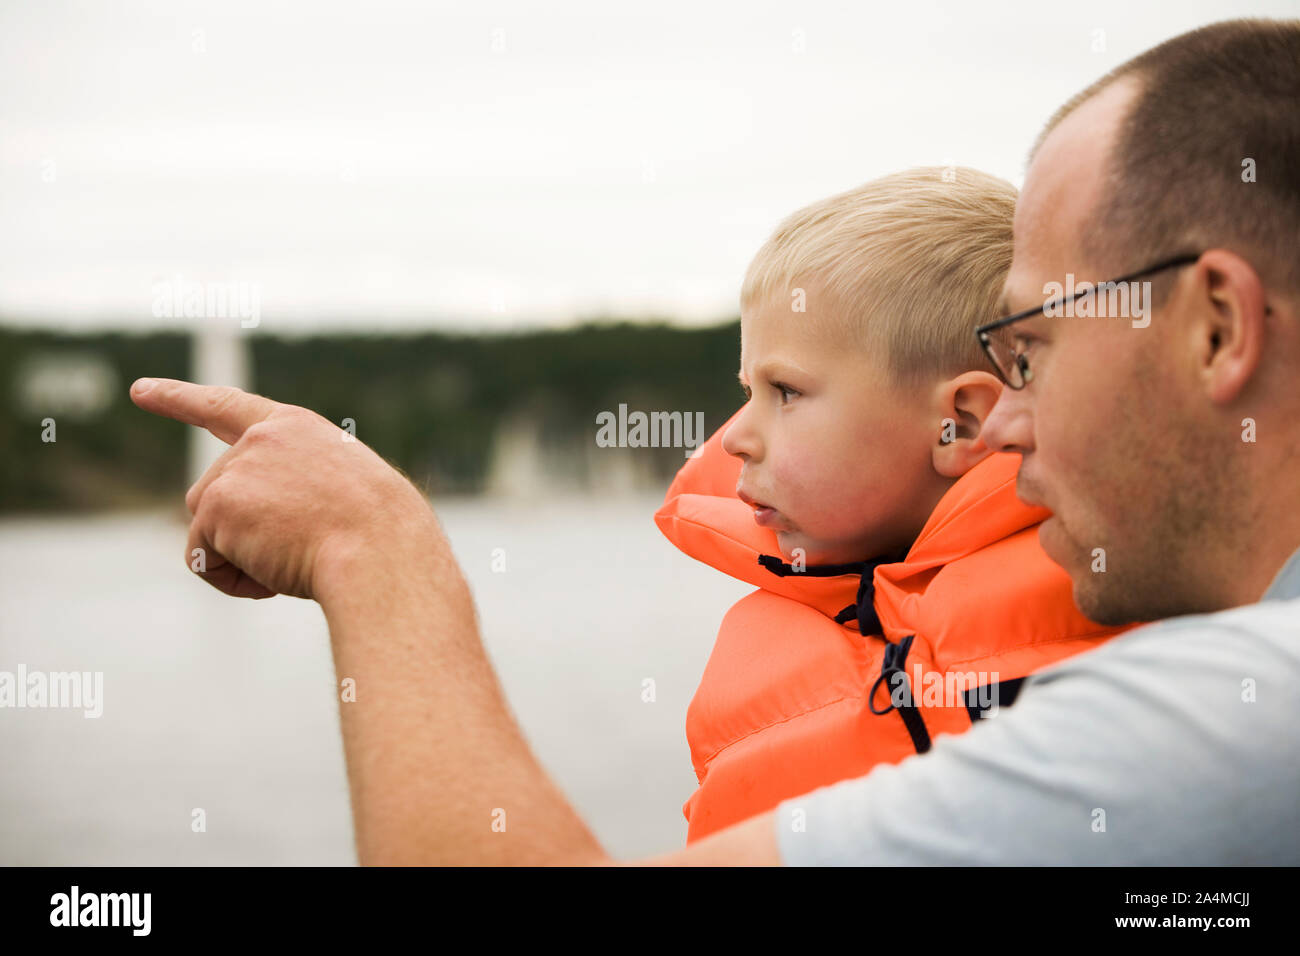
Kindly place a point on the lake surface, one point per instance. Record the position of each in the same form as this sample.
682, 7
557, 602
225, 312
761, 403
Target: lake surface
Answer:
231, 706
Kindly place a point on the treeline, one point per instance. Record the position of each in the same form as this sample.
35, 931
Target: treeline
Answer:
430, 403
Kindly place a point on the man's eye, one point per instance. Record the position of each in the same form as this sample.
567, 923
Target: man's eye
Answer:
786, 391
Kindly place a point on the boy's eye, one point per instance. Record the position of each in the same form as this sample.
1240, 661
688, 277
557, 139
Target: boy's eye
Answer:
786, 391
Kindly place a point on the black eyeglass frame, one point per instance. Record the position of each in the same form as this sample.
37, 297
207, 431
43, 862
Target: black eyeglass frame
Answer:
1027, 376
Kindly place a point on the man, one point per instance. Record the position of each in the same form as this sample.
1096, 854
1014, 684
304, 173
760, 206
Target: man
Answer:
1166, 446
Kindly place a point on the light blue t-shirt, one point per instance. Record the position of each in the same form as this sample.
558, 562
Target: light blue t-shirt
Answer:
1177, 743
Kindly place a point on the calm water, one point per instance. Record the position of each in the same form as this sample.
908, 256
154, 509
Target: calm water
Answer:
231, 705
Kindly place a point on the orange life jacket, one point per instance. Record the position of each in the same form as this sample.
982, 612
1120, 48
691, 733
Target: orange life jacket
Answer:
795, 696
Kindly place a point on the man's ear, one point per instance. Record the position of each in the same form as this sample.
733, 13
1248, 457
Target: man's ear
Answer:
963, 403
1230, 328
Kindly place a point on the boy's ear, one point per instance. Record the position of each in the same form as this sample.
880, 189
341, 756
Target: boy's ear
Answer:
963, 403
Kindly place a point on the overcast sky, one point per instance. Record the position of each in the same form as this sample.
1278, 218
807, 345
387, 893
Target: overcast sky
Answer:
483, 165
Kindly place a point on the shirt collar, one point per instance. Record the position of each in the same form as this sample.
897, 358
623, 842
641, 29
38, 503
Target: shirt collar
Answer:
1286, 585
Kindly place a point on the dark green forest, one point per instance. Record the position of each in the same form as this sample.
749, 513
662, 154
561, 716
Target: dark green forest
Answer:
430, 403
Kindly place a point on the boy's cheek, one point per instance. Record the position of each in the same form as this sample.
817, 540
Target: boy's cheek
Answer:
796, 469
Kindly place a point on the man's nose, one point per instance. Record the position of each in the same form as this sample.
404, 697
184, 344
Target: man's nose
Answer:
741, 439
1009, 426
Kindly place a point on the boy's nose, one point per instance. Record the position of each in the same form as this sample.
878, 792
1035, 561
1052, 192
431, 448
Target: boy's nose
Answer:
740, 440
1009, 426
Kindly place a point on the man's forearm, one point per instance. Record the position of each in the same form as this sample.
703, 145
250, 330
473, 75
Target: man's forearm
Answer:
438, 769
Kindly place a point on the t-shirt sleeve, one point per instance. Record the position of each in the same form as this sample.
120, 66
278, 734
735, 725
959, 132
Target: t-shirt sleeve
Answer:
1173, 744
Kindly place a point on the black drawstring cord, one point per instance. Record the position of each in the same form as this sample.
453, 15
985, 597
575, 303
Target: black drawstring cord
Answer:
863, 609
894, 674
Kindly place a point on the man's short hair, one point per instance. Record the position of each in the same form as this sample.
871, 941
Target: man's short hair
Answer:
907, 264
1209, 152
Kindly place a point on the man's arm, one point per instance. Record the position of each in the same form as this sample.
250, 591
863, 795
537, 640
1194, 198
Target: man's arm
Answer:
438, 769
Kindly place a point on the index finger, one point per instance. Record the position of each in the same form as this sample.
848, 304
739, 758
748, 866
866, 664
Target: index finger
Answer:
225, 411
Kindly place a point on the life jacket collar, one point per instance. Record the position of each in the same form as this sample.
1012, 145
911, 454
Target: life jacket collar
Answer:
863, 608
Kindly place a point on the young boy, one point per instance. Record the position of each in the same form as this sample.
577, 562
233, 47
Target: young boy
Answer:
903, 593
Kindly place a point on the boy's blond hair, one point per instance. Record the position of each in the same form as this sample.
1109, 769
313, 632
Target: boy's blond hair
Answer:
909, 264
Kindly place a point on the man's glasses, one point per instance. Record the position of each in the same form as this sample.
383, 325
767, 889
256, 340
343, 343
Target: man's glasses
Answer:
999, 342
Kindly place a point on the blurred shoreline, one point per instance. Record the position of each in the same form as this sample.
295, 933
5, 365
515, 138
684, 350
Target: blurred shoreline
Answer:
515, 415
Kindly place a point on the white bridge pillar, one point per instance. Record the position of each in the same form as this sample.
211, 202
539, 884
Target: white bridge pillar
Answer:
220, 354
